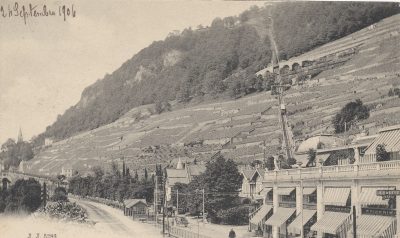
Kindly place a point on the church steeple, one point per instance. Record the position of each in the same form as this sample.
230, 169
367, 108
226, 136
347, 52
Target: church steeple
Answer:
20, 138
180, 164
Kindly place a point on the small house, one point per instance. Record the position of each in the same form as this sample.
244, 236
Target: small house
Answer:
251, 183
135, 207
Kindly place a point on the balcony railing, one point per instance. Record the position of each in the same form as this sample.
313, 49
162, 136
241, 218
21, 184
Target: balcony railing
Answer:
269, 202
310, 206
287, 204
376, 169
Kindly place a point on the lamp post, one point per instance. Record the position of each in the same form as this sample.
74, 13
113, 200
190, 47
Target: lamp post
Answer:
203, 205
177, 201
302, 208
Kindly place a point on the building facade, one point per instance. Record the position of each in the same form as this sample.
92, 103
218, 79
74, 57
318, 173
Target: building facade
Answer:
67, 171
135, 207
182, 173
328, 201
323, 200
252, 183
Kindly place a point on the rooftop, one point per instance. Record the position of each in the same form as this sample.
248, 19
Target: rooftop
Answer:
390, 137
132, 202
328, 141
390, 128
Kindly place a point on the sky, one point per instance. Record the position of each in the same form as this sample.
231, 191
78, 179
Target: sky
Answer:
46, 62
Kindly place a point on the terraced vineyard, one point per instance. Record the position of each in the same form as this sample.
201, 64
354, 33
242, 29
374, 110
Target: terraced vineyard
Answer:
247, 128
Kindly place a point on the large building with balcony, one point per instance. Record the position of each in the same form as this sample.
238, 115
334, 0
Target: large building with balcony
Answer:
329, 201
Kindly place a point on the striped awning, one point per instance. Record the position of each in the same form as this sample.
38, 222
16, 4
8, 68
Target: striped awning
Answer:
262, 194
322, 157
336, 196
308, 191
368, 196
303, 158
280, 216
261, 214
391, 231
390, 137
374, 226
301, 220
265, 191
285, 191
330, 222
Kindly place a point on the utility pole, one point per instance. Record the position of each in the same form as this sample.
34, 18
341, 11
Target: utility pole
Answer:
198, 227
354, 223
164, 205
177, 201
155, 200
203, 208
302, 209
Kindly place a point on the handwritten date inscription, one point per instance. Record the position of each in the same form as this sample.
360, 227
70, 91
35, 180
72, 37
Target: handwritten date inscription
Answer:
26, 11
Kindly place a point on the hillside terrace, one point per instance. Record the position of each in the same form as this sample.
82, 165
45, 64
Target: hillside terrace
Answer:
247, 121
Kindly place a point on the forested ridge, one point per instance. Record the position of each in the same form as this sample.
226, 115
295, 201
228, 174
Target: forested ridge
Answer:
213, 62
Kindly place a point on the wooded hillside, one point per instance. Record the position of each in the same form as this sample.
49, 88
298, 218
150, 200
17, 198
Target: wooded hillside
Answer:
215, 61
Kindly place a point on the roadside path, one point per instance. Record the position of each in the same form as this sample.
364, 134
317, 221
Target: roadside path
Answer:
109, 218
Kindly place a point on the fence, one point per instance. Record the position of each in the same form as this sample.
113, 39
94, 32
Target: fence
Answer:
108, 202
182, 233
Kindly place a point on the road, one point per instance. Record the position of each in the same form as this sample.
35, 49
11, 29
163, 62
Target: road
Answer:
111, 219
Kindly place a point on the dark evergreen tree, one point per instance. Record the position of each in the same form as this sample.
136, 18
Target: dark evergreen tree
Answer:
123, 169
349, 115
146, 176
222, 182
44, 196
136, 176
381, 153
311, 156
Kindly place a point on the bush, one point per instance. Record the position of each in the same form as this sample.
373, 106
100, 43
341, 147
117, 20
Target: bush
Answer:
60, 194
381, 153
292, 161
3, 195
65, 211
23, 196
246, 201
340, 155
234, 216
349, 115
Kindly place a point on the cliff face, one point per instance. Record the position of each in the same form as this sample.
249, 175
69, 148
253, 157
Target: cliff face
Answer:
216, 61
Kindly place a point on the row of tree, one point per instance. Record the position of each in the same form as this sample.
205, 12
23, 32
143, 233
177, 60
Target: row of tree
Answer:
221, 183
394, 92
27, 195
114, 185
